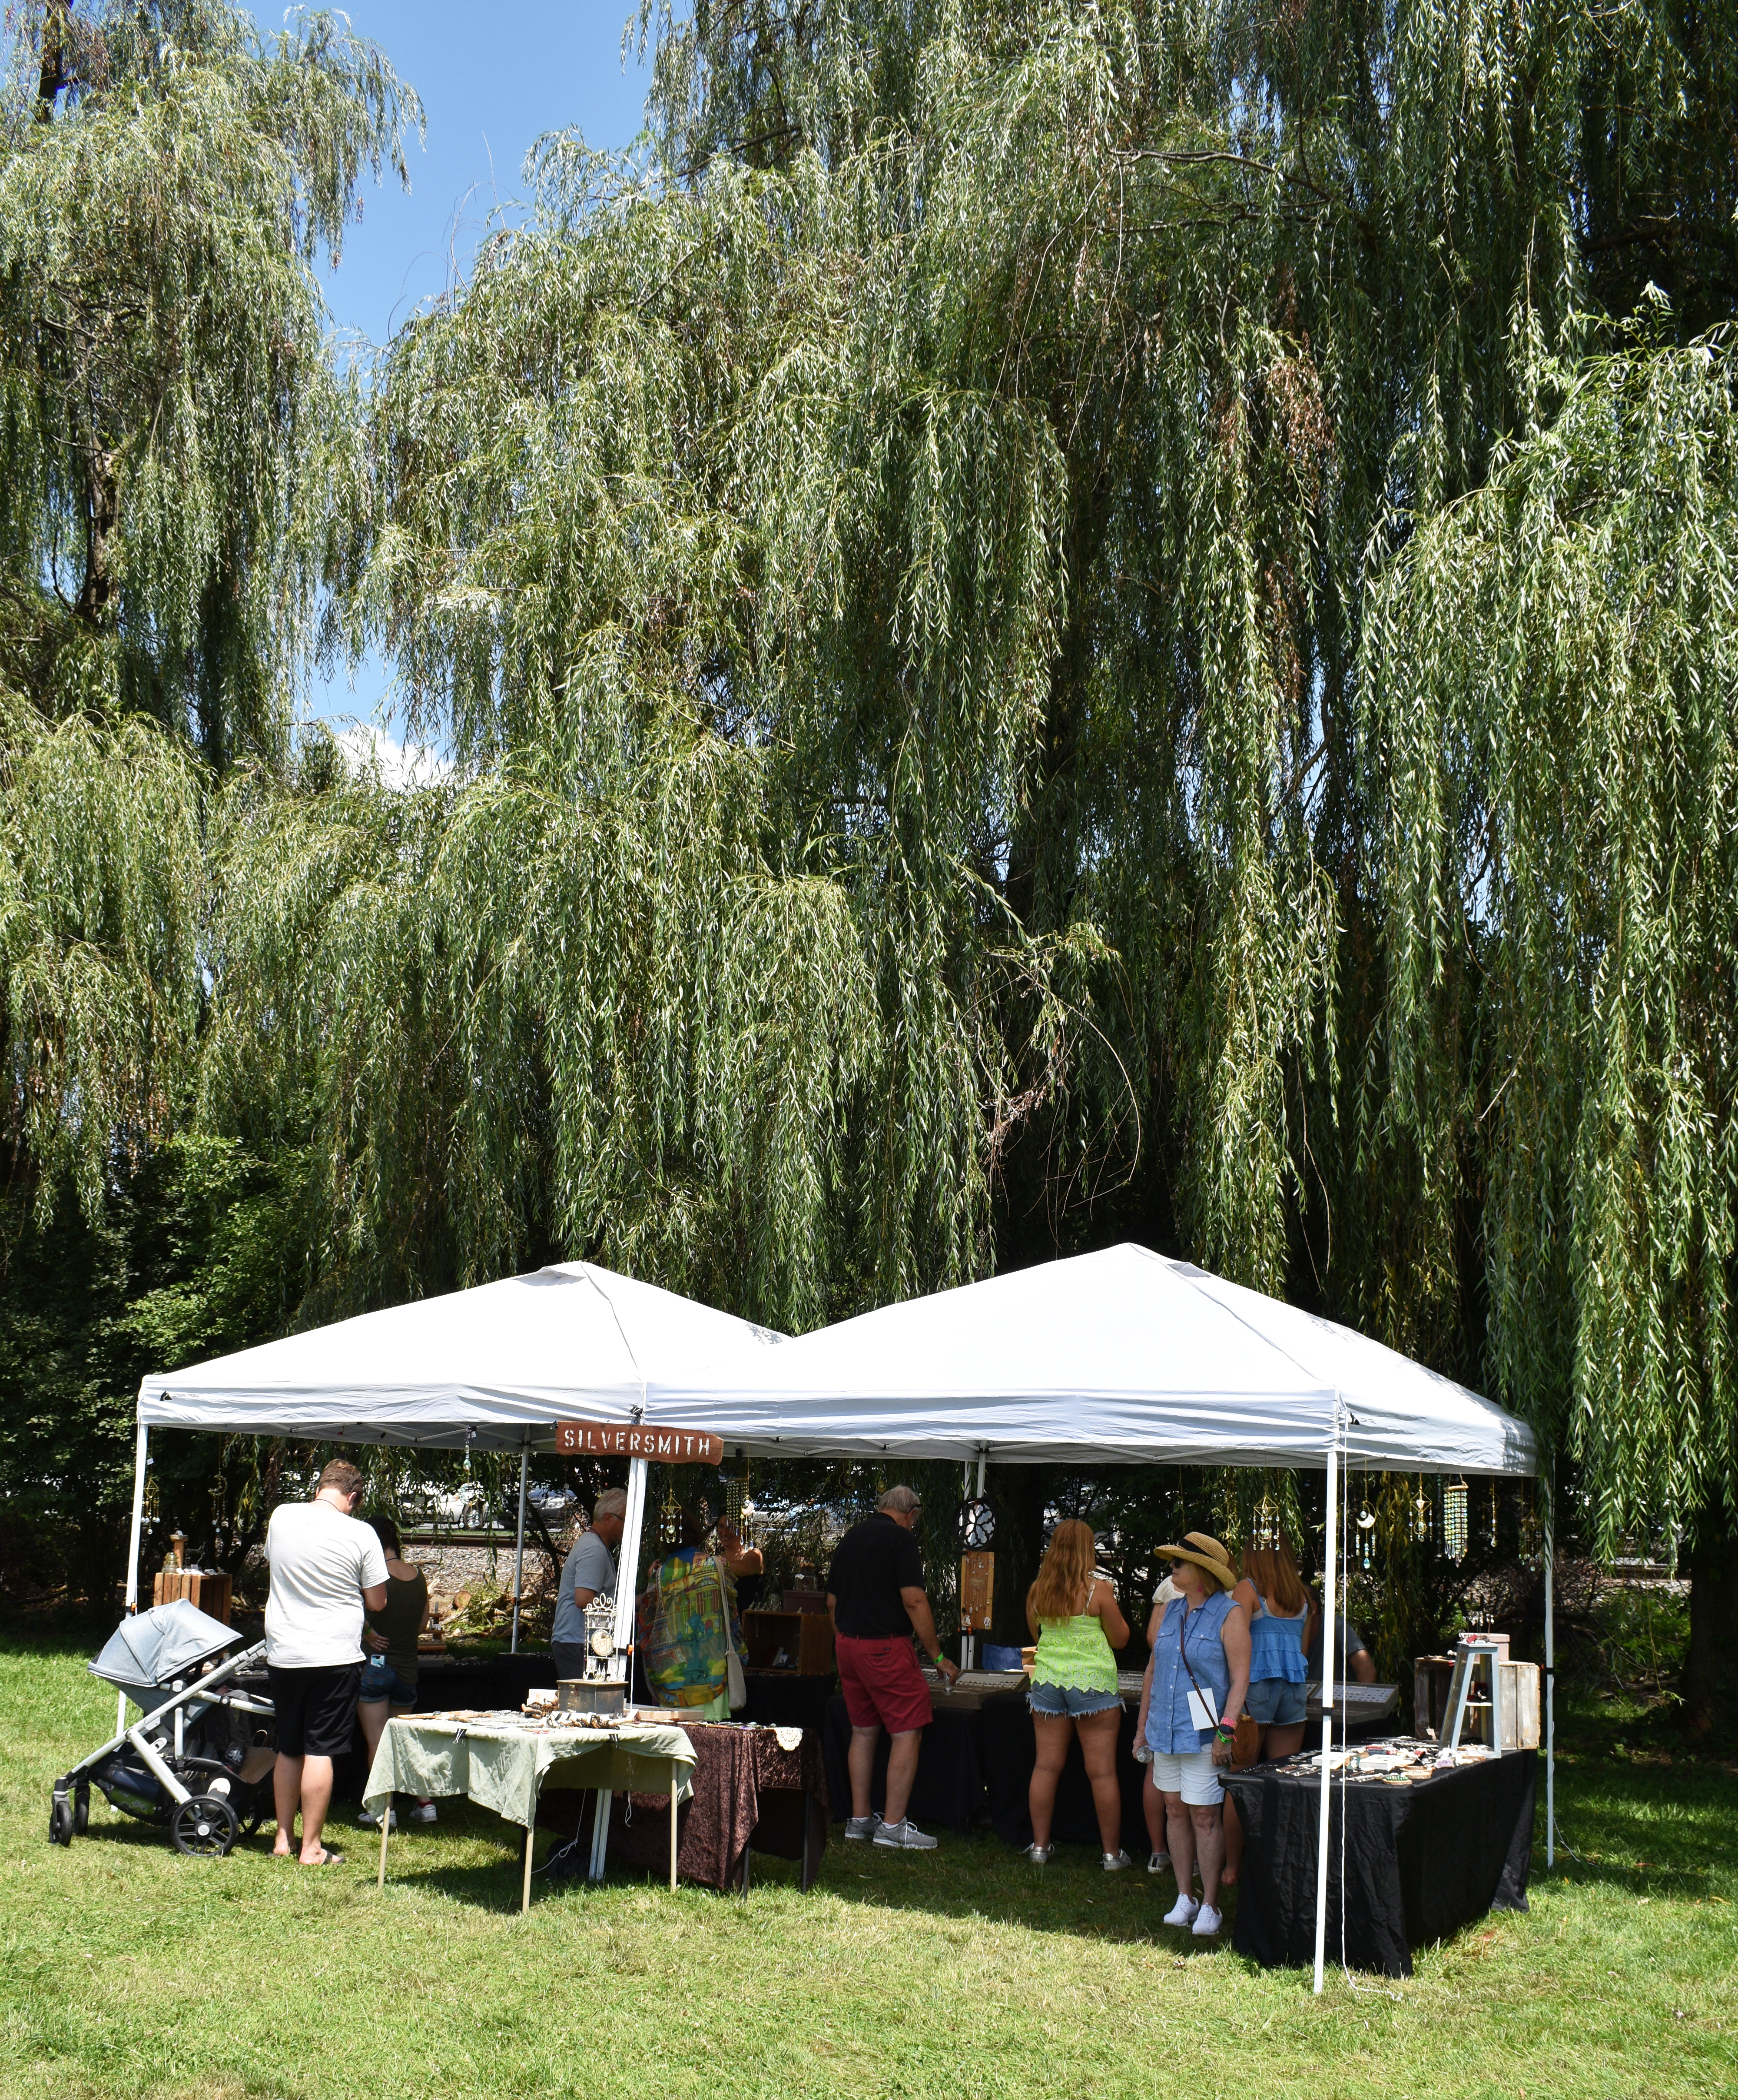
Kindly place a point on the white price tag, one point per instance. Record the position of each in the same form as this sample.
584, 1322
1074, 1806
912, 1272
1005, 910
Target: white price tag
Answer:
1201, 1710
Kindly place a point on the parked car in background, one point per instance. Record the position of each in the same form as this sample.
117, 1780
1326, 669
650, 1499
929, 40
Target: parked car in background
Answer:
550, 1502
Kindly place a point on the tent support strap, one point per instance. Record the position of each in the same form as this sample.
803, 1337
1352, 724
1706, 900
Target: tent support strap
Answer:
136, 1541
518, 1555
1329, 1656
1550, 1692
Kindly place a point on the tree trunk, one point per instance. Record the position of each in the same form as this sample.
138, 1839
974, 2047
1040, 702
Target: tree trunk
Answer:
51, 74
1707, 1675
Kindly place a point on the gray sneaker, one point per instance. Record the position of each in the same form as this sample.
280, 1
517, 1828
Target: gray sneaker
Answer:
903, 1836
861, 1826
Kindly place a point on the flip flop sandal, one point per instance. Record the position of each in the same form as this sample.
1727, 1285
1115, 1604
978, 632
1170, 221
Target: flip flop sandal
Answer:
327, 1858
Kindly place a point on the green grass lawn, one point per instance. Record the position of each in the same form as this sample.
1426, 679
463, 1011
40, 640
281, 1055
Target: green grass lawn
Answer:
129, 1971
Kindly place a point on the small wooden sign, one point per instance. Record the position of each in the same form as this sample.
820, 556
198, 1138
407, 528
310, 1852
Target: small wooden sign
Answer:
976, 1591
657, 1440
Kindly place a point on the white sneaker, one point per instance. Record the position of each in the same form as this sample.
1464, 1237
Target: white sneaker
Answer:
1115, 1862
861, 1826
1182, 1911
1158, 1862
903, 1836
424, 1812
1038, 1854
1208, 1922
369, 1821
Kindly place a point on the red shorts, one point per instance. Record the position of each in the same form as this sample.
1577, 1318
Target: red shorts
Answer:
883, 1686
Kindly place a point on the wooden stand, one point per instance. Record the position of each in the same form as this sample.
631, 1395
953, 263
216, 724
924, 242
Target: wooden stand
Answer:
210, 1592
806, 1638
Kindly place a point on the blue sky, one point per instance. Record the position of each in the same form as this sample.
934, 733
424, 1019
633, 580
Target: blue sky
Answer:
492, 82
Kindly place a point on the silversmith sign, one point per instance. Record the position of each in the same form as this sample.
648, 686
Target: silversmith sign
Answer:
638, 1439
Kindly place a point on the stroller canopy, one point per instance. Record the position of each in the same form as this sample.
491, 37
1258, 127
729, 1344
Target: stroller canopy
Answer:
146, 1652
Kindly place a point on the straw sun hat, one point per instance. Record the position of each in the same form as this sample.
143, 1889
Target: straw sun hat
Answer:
1206, 1553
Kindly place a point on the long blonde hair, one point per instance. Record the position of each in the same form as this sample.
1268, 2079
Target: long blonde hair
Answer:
1274, 1573
1065, 1579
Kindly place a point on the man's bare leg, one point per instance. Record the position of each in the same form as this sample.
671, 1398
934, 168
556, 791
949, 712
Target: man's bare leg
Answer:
286, 1792
317, 1798
902, 1769
860, 1761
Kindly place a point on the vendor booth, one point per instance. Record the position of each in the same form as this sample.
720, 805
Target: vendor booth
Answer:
1123, 1356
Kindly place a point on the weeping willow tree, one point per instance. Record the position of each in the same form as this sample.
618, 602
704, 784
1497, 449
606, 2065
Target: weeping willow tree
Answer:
174, 444
986, 602
1553, 708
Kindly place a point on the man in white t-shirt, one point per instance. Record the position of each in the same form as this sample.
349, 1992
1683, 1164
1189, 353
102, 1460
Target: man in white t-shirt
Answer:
325, 1567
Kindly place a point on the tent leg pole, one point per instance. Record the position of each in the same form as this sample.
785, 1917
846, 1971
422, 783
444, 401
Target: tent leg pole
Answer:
627, 1581
519, 1556
1329, 1656
136, 1542
1550, 1703
965, 1639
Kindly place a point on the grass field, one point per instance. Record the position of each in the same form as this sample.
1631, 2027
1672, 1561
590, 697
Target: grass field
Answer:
129, 1971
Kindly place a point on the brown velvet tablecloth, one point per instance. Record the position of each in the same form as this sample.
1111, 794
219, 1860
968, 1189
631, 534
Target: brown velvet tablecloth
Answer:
748, 1794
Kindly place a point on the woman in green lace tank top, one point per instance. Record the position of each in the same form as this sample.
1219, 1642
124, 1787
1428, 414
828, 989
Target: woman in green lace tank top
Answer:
1072, 1612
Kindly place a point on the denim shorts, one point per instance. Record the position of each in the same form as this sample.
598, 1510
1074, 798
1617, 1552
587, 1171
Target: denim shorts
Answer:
1275, 1704
380, 1680
1056, 1699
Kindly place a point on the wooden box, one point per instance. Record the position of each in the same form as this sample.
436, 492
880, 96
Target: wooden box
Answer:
210, 1592
1518, 1705
805, 1639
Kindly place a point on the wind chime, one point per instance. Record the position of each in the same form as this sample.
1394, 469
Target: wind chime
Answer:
1454, 1520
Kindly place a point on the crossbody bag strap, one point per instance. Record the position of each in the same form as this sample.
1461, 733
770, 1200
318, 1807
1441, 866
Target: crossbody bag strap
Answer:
1183, 1651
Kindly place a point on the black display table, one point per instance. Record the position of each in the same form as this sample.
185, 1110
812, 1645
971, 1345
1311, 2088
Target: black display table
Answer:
1419, 1861
949, 1787
1008, 1751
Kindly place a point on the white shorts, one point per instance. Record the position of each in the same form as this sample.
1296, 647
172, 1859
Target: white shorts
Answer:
1191, 1773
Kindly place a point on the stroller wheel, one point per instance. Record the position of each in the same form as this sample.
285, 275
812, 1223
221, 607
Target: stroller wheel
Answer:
203, 1827
81, 1811
60, 1821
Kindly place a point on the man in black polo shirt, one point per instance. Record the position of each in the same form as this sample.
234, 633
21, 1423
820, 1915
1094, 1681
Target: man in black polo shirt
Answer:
875, 1592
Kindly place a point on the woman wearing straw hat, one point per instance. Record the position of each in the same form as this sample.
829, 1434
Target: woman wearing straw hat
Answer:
1197, 1679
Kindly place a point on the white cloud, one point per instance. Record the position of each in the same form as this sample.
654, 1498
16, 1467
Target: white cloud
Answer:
368, 748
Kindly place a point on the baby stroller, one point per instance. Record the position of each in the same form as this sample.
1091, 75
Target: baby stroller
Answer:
199, 1757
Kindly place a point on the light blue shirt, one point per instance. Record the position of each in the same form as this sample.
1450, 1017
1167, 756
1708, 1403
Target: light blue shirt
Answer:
589, 1567
1169, 1727
1276, 1646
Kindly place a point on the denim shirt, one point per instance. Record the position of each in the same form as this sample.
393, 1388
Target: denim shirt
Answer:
1169, 1727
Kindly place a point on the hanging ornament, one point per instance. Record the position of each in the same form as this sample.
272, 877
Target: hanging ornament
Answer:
1454, 1520
1366, 1535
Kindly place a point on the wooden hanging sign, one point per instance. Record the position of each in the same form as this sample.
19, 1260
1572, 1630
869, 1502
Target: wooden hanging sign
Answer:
658, 1440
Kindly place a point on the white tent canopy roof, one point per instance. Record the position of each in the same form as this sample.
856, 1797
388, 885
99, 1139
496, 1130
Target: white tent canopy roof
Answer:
1117, 1357
477, 1368
1120, 1356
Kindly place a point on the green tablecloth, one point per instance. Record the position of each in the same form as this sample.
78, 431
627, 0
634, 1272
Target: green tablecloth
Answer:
505, 1767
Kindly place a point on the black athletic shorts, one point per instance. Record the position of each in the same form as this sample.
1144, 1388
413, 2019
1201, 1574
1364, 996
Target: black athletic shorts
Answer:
316, 1709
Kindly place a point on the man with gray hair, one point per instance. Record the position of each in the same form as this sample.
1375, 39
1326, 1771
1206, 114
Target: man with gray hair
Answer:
590, 1572
875, 1592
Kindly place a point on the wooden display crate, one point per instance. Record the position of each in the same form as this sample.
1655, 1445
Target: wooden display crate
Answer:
806, 1637
211, 1593
1518, 1704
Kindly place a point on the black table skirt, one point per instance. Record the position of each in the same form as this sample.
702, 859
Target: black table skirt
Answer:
974, 1764
1008, 1751
1419, 1861
949, 1788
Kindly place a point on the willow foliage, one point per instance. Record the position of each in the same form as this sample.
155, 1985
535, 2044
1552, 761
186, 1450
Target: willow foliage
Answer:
171, 428
1555, 663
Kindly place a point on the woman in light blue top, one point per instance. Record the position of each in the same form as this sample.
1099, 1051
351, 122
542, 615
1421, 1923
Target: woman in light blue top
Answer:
1277, 1603
1196, 1682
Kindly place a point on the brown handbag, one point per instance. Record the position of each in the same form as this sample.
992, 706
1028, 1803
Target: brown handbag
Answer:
1245, 1743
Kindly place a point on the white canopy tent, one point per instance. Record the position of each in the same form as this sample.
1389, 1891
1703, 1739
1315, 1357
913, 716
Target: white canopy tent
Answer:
1118, 1357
